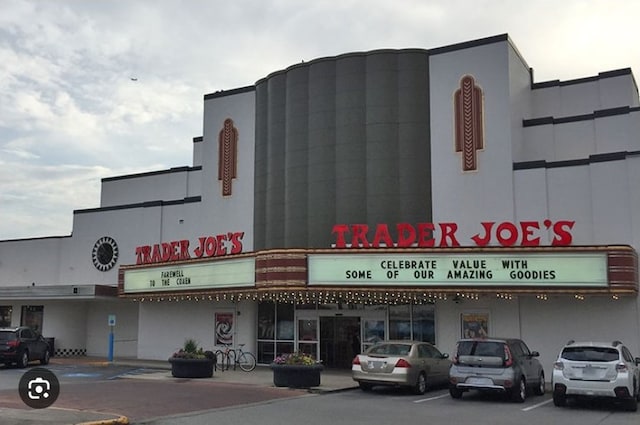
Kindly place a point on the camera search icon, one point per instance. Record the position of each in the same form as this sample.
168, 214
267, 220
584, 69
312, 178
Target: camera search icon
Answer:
39, 388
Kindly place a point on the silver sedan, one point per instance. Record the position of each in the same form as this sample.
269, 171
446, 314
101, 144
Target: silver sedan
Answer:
412, 364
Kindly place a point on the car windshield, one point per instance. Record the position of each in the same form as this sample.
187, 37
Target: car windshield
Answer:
391, 349
481, 348
590, 354
7, 336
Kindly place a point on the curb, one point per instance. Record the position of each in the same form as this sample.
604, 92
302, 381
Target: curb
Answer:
122, 420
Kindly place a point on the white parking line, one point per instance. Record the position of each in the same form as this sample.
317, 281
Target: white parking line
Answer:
431, 398
526, 409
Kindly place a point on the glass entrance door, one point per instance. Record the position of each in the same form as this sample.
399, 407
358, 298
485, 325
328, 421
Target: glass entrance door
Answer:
339, 341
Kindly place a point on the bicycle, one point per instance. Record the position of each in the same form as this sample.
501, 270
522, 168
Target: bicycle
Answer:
244, 359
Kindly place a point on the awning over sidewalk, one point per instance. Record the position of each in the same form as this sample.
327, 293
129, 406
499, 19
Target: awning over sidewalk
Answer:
58, 292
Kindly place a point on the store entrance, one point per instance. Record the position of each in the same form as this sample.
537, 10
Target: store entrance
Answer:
339, 341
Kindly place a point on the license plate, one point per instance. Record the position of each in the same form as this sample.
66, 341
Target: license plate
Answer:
479, 381
591, 372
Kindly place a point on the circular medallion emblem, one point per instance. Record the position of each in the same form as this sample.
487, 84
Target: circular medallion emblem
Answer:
105, 253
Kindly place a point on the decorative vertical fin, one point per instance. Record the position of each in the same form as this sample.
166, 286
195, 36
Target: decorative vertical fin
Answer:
227, 155
469, 122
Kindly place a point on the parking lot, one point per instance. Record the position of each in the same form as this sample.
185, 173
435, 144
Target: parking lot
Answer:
151, 396
387, 406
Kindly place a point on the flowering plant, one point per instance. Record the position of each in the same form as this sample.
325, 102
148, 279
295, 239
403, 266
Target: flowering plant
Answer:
296, 358
190, 350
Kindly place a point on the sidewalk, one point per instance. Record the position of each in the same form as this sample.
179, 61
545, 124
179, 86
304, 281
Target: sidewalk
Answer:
331, 381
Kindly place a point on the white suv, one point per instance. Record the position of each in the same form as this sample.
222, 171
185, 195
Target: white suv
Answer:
596, 369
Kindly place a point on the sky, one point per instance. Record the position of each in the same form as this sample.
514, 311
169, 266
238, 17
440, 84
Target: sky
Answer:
101, 88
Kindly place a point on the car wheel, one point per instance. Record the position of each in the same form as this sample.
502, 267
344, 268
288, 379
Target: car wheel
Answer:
45, 358
519, 394
455, 392
23, 361
420, 386
364, 386
539, 390
559, 399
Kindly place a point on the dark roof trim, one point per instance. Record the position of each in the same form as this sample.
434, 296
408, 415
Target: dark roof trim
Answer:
435, 51
38, 238
223, 93
574, 118
469, 44
153, 173
537, 121
606, 74
341, 57
586, 117
51, 292
147, 204
602, 157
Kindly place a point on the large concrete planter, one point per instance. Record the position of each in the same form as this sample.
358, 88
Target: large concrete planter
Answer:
296, 376
191, 368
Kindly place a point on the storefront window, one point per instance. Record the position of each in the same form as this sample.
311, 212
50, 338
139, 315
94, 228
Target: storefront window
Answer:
412, 322
5, 316
275, 330
341, 306
373, 332
308, 330
284, 347
32, 317
266, 351
400, 321
424, 323
308, 336
266, 320
266, 332
284, 319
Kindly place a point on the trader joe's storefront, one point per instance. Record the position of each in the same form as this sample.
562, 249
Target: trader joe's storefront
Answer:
335, 332
323, 301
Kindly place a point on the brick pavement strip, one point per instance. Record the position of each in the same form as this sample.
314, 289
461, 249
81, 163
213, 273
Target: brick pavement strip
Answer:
145, 399
152, 392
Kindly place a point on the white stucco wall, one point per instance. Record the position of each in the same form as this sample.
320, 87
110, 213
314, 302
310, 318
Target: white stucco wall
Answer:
584, 97
18, 267
519, 100
487, 192
164, 326
167, 185
125, 332
548, 325
65, 321
237, 209
544, 325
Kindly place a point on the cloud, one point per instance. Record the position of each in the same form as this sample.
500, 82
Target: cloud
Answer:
70, 113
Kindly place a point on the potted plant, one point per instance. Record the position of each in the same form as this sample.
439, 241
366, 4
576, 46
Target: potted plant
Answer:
296, 370
191, 361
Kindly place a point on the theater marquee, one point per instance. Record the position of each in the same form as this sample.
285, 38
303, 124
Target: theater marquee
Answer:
210, 275
482, 269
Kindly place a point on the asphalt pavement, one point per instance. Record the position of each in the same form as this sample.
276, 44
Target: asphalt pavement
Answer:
87, 404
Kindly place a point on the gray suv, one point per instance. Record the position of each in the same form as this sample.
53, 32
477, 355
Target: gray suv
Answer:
495, 364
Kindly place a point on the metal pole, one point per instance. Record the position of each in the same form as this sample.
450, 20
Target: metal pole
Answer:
111, 344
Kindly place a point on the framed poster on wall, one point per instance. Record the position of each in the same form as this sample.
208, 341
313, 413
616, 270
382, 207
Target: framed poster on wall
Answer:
474, 325
224, 328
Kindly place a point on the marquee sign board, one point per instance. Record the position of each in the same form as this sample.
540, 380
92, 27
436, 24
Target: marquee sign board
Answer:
438, 270
211, 275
